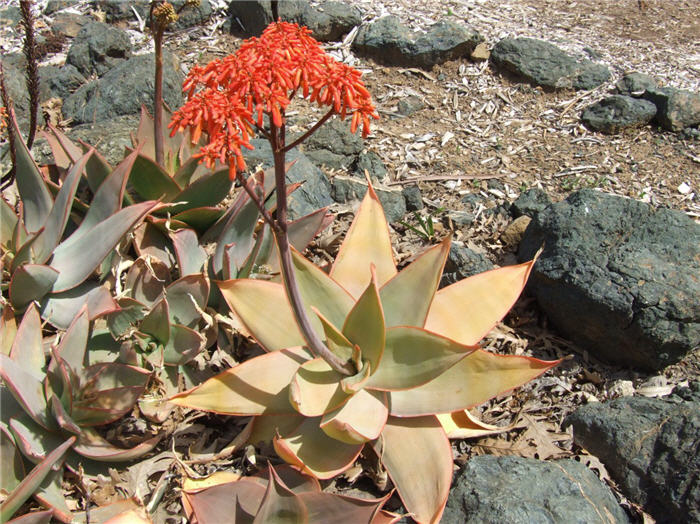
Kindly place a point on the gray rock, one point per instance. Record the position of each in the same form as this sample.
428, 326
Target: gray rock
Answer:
124, 89
676, 108
346, 189
326, 158
617, 112
191, 16
530, 203
650, 447
372, 163
10, 16
516, 490
389, 42
68, 24
335, 136
56, 5
413, 197
328, 22
544, 64
14, 66
618, 277
59, 81
463, 262
117, 11
634, 84
315, 190
97, 48
461, 218
409, 105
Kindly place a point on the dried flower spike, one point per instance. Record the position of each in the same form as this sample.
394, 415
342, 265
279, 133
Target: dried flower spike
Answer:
165, 14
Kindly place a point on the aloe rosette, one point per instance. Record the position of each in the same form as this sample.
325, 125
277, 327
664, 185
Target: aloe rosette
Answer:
414, 350
68, 397
46, 265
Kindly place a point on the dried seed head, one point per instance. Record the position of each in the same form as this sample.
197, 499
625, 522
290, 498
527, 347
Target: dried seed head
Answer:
165, 14
193, 3
3, 121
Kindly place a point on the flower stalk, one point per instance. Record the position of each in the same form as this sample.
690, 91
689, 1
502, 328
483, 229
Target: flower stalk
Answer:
228, 99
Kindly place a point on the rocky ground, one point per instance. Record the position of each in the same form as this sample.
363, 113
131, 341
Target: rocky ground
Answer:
480, 140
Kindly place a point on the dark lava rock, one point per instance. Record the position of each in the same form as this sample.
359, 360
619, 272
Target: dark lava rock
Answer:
347, 189
413, 197
191, 16
463, 262
618, 277
117, 11
389, 42
516, 490
409, 105
56, 5
328, 22
676, 108
68, 24
315, 190
617, 112
59, 81
97, 48
124, 89
333, 145
109, 137
10, 16
634, 84
544, 64
530, 203
650, 447
371, 162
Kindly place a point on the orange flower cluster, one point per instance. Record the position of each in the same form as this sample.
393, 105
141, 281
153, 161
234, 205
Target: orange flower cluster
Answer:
227, 97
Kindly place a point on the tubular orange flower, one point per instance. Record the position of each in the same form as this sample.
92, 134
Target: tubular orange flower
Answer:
229, 96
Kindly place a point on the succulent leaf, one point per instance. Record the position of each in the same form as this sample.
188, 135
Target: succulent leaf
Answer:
335, 340
314, 452
249, 297
302, 231
191, 256
415, 285
33, 480
31, 282
237, 230
27, 348
151, 239
317, 289
156, 323
367, 242
151, 181
280, 504
413, 356
200, 218
11, 464
422, 478
93, 446
462, 424
36, 198
364, 325
32, 439
359, 420
259, 386
486, 374
76, 261
315, 388
61, 308
71, 348
57, 219
183, 345
146, 280
26, 388
206, 191
186, 297
8, 224
487, 297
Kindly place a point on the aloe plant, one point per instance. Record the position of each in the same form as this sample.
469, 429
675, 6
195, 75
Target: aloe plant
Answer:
68, 397
45, 264
279, 494
414, 350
